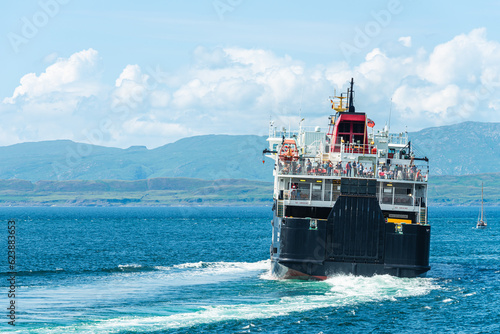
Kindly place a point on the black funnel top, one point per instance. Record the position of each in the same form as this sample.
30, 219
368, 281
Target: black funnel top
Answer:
351, 99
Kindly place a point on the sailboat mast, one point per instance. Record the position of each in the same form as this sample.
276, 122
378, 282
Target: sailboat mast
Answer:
482, 202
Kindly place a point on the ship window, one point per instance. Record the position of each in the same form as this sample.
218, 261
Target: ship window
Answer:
387, 193
316, 193
328, 190
403, 194
358, 139
303, 191
345, 127
332, 190
358, 127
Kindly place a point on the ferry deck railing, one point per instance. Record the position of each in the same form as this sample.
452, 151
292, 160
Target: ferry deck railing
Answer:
417, 171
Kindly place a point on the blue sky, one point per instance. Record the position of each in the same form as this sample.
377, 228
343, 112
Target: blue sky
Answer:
148, 73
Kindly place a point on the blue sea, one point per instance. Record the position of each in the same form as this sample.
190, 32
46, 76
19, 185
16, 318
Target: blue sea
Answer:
206, 270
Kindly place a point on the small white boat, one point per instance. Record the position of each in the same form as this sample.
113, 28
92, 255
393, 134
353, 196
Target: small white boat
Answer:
481, 221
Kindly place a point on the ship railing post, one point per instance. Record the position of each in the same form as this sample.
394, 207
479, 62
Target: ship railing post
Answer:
413, 196
419, 213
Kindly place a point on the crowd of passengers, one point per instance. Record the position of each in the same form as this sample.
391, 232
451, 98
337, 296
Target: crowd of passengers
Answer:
353, 169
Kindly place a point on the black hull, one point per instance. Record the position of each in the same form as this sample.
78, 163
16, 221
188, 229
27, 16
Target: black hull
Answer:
354, 239
318, 271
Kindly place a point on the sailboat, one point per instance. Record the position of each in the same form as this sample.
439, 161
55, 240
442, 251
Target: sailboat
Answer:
481, 222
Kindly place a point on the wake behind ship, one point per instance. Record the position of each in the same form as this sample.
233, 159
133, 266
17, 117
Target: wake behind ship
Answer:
348, 201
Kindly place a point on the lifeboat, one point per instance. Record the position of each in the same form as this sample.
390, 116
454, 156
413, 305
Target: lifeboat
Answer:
288, 151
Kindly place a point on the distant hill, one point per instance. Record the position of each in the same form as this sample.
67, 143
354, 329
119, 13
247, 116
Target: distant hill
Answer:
466, 148
206, 157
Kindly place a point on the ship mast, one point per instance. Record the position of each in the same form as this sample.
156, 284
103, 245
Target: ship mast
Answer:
351, 100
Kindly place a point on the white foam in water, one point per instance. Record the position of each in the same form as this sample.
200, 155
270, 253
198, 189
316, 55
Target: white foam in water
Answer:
211, 272
129, 266
189, 265
225, 265
113, 289
342, 290
132, 265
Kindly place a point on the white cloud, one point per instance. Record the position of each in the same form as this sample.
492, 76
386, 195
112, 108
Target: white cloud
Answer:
405, 41
64, 76
416, 101
456, 81
150, 125
159, 98
463, 59
130, 87
246, 75
235, 90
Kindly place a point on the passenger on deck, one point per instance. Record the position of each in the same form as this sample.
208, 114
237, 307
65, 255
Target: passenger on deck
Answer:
285, 170
380, 173
308, 166
368, 172
413, 171
399, 172
293, 193
293, 168
418, 175
390, 173
348, 168
355, 168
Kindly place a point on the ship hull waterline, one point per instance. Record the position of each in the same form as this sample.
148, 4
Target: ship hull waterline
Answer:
328, 269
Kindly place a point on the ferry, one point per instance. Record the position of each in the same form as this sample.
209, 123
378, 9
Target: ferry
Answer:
347, 200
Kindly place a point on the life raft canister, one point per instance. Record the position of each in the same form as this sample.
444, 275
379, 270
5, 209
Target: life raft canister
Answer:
288, 151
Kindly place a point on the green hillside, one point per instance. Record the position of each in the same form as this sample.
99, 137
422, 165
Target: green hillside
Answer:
150, 192
465, 189
443, 190
460, 149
